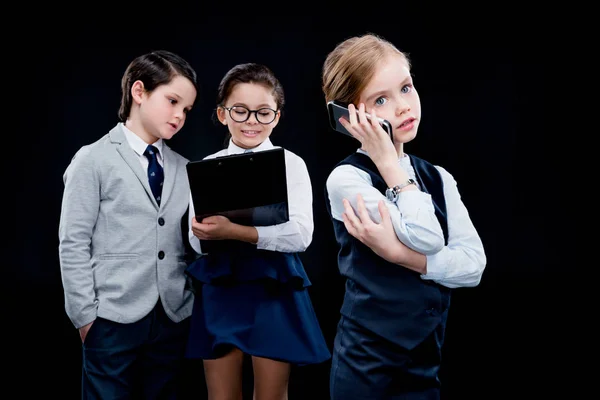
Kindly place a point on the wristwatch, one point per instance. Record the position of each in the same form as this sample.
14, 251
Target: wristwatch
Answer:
393, 193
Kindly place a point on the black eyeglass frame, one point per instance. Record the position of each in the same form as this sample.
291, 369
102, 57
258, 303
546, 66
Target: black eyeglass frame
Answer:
250, 112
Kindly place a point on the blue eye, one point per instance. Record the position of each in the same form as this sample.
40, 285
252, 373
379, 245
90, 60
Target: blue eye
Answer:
406, 88
380, 101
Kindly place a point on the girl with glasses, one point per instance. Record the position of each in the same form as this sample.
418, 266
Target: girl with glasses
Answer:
252, 293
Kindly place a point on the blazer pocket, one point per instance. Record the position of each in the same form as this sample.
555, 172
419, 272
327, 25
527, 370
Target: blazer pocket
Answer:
118, 256
113, 270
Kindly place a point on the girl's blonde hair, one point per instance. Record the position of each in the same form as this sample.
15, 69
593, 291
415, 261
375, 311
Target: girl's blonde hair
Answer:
350, 66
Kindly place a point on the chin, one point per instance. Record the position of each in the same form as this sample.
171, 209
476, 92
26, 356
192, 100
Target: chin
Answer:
251, 142
168, 135
404, 137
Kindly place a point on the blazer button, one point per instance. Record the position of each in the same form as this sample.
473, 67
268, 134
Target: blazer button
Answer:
161, 221
161, 255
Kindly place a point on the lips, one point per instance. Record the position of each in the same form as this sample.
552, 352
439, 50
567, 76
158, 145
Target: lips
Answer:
406, 122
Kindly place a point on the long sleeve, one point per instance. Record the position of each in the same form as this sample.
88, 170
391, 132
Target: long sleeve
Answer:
462, 261
296, 234
413, 215
79, 212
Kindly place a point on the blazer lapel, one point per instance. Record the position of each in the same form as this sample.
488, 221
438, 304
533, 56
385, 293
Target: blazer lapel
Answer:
170, 168
118, 137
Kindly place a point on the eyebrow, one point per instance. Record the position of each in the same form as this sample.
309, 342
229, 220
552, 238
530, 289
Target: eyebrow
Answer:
263, 105
380, 92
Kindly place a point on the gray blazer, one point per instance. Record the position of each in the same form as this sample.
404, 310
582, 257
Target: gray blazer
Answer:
119, 251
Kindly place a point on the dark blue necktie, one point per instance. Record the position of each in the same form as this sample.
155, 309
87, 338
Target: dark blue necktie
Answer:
155, 172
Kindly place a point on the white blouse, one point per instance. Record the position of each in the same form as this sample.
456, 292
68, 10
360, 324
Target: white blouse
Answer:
289, 237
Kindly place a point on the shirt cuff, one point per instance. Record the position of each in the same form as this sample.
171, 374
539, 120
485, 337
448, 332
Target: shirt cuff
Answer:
437, 265
264, 240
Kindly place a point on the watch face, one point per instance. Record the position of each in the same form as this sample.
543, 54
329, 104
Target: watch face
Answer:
390, 194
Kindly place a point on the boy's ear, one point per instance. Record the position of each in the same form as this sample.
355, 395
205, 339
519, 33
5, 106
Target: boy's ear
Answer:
137, 91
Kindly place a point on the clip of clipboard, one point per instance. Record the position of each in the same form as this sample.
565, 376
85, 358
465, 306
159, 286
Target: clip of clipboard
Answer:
249, 188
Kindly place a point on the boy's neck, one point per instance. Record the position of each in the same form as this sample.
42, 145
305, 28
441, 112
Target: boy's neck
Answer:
136, 127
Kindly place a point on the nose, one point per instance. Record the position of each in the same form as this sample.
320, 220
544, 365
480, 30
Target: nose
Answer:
253, 114
402, 106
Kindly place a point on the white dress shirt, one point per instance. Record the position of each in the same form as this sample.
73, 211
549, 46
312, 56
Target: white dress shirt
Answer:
460, 263
139, 146
289, 237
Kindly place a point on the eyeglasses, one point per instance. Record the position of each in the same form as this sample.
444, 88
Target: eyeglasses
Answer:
242, 114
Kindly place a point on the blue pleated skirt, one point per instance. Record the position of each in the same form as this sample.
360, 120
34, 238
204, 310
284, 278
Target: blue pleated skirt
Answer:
257, 302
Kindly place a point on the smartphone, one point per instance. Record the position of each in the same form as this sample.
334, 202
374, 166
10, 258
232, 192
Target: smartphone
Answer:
337, 110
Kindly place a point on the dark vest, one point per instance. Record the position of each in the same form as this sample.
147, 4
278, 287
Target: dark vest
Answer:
388, 299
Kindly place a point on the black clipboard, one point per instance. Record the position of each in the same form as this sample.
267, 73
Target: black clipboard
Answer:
249, 188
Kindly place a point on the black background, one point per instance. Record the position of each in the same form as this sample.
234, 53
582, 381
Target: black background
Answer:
480, 79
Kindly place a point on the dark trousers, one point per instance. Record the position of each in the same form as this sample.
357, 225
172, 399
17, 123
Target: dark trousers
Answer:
367, 367
141, 360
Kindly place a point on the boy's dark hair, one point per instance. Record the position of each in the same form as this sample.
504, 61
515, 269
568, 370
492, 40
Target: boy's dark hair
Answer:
153, 69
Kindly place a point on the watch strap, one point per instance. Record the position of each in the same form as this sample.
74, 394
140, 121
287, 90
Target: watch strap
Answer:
398, 188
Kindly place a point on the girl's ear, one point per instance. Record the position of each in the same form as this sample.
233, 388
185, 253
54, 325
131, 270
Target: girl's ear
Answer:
222, 115
137, 91
277, 116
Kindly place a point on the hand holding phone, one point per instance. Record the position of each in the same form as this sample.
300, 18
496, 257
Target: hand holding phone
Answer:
336, 111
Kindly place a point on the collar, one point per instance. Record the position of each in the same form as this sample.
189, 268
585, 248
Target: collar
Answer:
232, 148
138, 145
